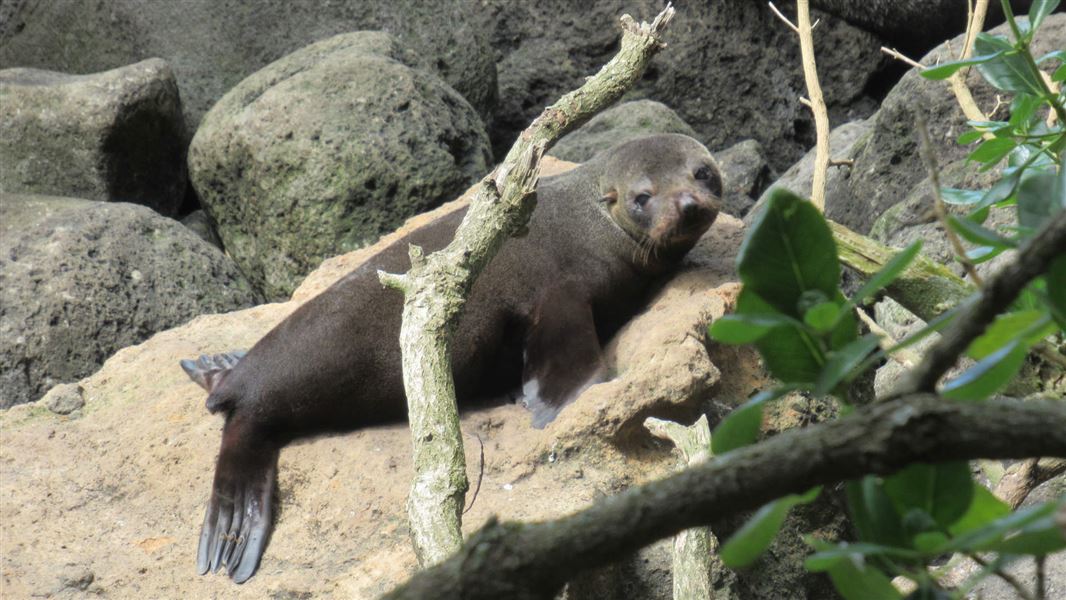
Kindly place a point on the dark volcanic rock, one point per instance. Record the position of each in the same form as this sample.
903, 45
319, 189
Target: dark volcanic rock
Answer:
328, 148
618, 124
745, 174
81, 279
731, 69
112, 136
799, 176
887, 164
214, 44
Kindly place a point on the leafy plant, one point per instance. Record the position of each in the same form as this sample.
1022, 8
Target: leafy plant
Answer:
792, 309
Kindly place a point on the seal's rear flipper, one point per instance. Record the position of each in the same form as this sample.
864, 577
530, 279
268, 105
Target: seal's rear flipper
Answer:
210, 369
238, 523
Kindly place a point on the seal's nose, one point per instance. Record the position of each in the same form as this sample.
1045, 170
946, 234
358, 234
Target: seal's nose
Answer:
687, 206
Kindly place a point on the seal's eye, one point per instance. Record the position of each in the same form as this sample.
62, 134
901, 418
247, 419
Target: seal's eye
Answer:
642, 199
703, 173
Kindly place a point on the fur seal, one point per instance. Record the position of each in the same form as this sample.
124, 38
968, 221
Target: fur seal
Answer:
601, 236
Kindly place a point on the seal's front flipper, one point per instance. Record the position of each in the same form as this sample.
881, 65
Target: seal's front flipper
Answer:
210, 369
237, 523
562, 353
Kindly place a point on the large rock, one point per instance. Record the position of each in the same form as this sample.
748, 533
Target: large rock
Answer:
81, 279
887, 163
213, 44
731, 69
799, 177
328, 148
112, 136
618, 124
745, 174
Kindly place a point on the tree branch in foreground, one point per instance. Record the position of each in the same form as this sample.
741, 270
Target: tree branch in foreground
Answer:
436, 288
527, 561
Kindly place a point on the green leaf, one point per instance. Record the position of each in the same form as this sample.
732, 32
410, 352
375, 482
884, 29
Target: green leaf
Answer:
972, 232
788, 251
945, 70
1056, 288
984, 509
939, 322
943, 491
873, 514
1039, 10
1001, 190
929, 541
888, 273
830, 554
962, 197
860, 581
1022, 110
982, 254
746, 328
790, 354
741, 426
989, 375
1009, 71
1036, 199
1059, 74
1039, 538
755, 536
994, 532
822, 317
1009, 327
968, 137
993, 150
1059, 55
842, 361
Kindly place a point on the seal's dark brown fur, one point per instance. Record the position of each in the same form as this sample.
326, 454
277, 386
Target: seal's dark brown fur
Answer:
599, 238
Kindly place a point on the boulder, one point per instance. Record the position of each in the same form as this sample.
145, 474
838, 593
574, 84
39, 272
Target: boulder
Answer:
887, 162
213, 45
616, 125
745, 174
113, 136
799, 176
731, 69
326, 149
200, 224
81, 279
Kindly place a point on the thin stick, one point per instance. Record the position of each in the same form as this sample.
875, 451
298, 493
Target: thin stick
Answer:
958, 79
938, 202
896, 54
785, 19
903, 356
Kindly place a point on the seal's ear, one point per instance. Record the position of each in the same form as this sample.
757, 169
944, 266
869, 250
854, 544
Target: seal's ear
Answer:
610, 197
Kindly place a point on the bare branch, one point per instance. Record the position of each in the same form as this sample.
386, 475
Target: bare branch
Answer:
896, 54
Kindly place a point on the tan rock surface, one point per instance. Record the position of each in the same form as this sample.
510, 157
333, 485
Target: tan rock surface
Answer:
109, 500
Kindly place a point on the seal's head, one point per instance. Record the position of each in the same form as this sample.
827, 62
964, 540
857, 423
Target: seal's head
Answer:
662, 190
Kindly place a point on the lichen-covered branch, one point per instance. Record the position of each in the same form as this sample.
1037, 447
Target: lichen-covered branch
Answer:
926, 288
436, 287
527, 561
